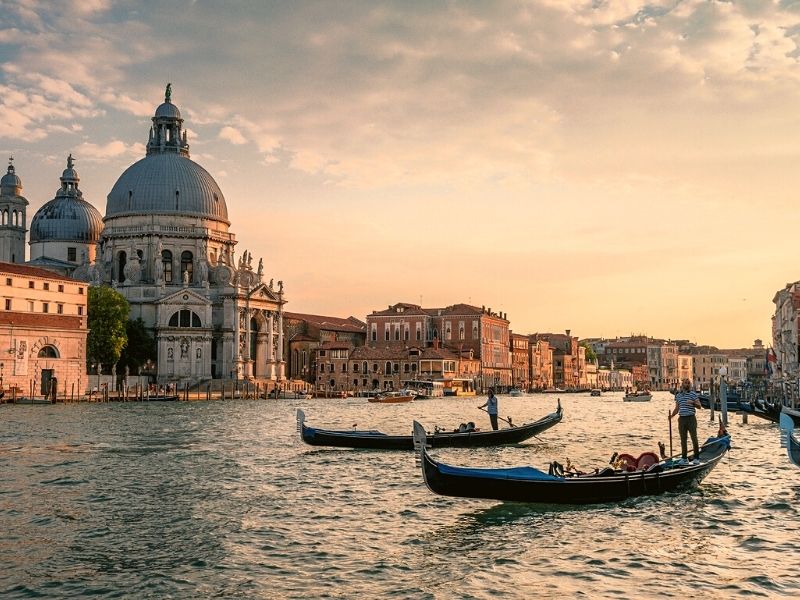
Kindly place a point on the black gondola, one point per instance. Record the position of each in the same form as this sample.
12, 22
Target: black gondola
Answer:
790, 434
527, 484
764, 410
377, 440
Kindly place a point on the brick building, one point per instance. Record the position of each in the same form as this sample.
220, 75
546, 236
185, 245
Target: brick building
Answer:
43, 323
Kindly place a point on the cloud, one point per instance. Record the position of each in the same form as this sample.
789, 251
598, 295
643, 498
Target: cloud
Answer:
232, 135
103, 153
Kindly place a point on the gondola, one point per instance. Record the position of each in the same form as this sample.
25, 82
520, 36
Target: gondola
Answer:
764, 410
790, 434
528, 484
377, 440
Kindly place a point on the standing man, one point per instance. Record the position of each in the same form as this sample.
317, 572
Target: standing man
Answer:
491, 407
686, 401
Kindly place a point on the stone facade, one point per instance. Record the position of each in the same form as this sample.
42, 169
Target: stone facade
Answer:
43, 320
12, 217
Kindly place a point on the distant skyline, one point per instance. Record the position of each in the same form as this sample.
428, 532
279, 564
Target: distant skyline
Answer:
605, 167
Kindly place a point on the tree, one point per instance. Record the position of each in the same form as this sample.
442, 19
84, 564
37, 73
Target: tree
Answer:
590, 355
140, 348
108, 316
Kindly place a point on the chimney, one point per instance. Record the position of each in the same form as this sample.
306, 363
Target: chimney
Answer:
568, 332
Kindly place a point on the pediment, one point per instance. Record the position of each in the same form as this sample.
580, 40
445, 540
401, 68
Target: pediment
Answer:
184, 297
263, 292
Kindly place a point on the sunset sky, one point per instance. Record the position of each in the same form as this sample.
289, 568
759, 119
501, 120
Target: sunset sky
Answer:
606, 167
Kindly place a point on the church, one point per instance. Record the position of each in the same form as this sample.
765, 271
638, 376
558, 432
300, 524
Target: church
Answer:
165, 244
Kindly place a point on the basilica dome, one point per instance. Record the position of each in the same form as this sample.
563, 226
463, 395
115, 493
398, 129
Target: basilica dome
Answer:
167, 184
166, 181
67, 217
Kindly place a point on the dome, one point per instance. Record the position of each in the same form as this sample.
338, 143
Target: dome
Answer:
11, 179
167, 183
168, 110
66, 218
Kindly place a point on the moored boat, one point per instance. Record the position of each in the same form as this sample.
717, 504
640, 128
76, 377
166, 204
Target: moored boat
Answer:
762, 409
790, 433
377, 440
392, 397
528, 484
638, 396
595, 392
515, 392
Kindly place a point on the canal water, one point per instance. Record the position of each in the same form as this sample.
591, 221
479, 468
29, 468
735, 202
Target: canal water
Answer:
221, 499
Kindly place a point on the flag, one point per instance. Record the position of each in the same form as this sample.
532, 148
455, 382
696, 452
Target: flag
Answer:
768, 364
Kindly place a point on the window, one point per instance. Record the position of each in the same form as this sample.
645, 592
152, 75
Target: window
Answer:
80, 310
397, 333
355, 367
122, 258
344, 367
72, 254
31, 285
374, 334
419, 332
80, 291
166, 261
386, 332
48, 352
406, 368
60, 288
374, 367
46, 286
185, 318
406, 333
9, 281
187, 265
8, 303
396, 367
388, 367
60, 309
45, 307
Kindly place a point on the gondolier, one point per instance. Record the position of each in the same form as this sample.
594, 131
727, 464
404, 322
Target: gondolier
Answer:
491, 407
686, 402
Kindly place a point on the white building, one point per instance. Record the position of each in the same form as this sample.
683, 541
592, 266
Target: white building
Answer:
165, 244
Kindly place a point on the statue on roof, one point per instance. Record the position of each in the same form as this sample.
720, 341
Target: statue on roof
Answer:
70, 161
168, 93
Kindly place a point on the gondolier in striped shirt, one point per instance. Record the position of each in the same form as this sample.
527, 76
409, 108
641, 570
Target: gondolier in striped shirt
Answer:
491, 407
686, 402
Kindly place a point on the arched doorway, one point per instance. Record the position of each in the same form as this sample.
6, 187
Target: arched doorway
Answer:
254, 346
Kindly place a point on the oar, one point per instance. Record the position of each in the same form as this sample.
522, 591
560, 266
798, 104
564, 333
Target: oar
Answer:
498, 416
669, 418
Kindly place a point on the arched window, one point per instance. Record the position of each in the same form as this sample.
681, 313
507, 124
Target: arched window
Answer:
187, 265
397, 332
14, 218
388, 368
122, 258
166, 261
5, 217
253, 337
185, 318
48, 352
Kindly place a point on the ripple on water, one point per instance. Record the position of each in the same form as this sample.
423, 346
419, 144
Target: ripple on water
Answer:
221, 499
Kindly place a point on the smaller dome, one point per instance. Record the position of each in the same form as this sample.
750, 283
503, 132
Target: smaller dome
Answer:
168, 111
66, 218
10, 179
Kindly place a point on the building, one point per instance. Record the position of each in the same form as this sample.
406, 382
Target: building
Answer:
166, 245
541, 364
13, 207
786, 331
43, 324
520, 361
469, 332
305, 334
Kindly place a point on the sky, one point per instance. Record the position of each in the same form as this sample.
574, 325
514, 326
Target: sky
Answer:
608, 167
